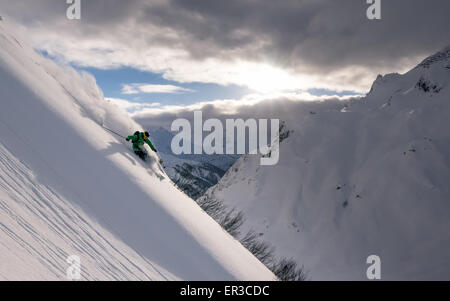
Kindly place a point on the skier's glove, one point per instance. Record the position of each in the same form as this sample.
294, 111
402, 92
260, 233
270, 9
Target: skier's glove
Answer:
127, 139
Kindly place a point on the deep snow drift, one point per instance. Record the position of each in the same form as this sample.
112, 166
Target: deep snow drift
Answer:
356, 178
68, 187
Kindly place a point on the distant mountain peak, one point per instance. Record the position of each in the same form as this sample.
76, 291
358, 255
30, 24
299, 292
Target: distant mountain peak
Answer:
443, 55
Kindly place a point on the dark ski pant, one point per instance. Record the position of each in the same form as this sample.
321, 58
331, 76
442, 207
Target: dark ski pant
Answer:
140, 152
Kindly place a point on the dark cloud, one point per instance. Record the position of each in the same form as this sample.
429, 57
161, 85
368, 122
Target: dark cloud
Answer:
313, 36
325, 34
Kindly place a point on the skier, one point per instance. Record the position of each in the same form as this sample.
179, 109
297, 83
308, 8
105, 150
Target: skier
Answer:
138, 140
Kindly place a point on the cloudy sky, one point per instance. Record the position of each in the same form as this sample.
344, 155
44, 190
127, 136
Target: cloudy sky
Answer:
157, 53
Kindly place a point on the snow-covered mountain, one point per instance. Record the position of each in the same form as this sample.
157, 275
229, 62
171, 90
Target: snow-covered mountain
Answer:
68, 187
193, 173
362, 177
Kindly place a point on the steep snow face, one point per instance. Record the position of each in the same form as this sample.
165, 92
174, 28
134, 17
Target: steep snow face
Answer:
40, 230
358, 178
442, 57
68, 187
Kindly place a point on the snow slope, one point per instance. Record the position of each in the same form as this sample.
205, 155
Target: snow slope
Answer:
68, 187
356, 178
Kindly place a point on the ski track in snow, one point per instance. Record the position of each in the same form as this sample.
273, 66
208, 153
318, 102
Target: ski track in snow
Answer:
72, 233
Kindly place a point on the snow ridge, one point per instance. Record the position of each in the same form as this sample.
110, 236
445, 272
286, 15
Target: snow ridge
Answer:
443, 55
356, 178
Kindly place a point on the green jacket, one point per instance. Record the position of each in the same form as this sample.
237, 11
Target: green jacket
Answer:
138, 141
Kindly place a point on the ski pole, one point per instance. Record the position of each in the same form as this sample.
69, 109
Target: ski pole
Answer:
113, 132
